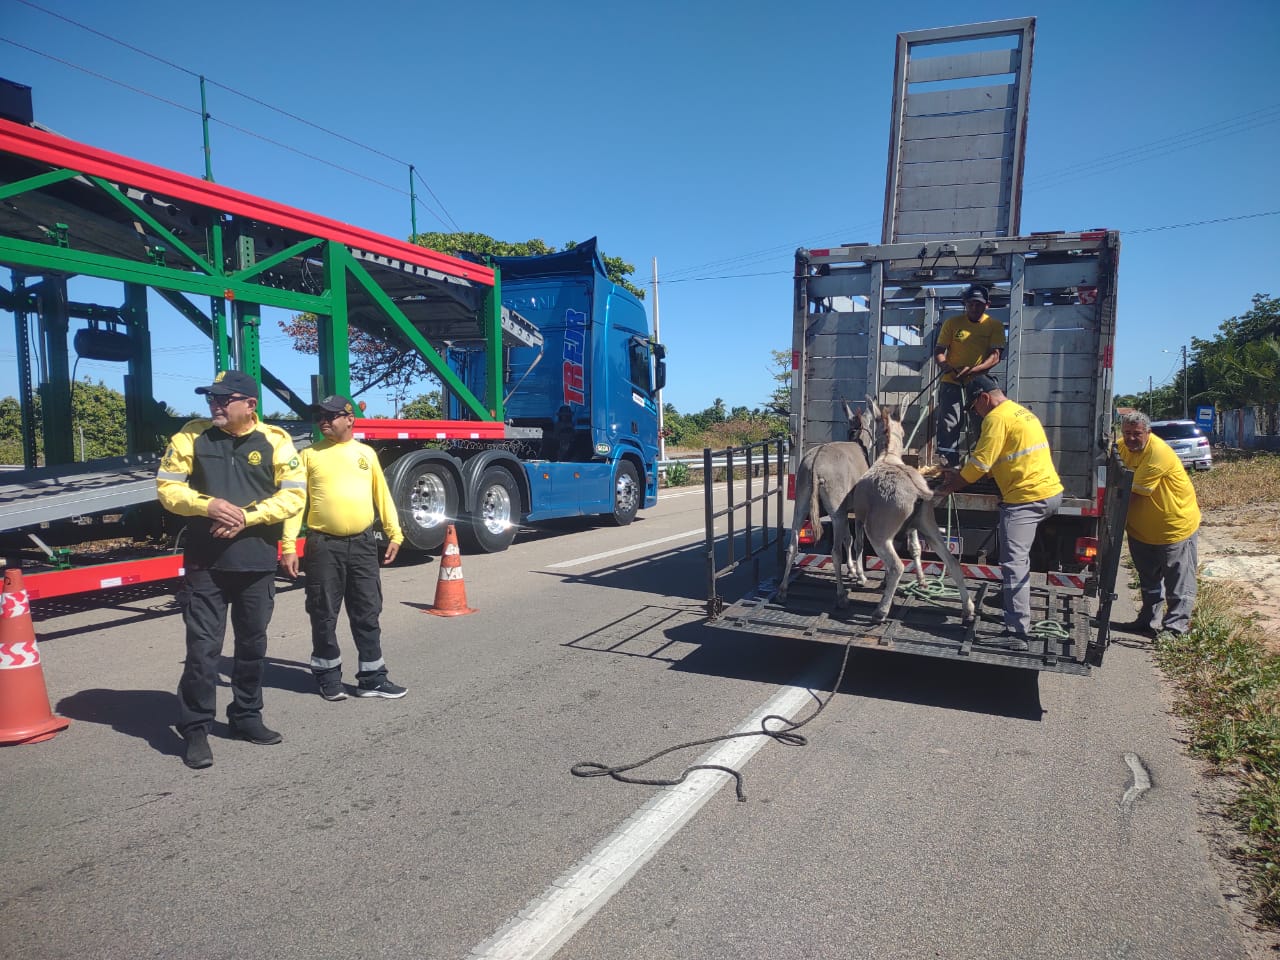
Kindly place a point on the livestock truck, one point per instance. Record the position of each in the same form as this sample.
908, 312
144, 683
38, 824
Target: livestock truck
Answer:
549, 372
865, 319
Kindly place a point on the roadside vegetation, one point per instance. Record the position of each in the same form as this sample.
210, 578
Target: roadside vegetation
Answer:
1228, 686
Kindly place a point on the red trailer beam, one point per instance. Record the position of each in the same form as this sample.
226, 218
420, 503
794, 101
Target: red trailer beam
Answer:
429, 430
61, 152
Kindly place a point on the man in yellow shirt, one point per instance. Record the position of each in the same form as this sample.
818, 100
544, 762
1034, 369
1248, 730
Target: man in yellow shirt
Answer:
968, 344
236, 479
1163, 527
345, 486
1013, 448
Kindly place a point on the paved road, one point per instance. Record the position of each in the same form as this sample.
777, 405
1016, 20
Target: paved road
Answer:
938, 810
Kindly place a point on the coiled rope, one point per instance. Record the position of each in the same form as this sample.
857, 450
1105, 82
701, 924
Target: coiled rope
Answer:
784, 734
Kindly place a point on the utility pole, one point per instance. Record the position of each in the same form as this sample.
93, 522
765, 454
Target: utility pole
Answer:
657, 338
1184, 381
1150, 408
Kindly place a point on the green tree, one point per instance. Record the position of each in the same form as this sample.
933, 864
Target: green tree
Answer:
426, 406
779, 402
97, 424
390, 365
1240, 366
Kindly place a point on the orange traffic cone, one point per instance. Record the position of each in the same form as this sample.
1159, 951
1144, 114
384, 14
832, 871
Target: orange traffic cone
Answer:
451, 592
25, 716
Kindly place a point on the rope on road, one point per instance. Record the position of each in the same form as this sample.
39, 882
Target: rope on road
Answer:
784, 734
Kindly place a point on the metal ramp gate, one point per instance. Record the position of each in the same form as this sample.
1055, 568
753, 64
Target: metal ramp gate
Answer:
958, 131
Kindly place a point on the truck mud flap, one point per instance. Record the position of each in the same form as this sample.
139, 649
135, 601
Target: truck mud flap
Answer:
918, 626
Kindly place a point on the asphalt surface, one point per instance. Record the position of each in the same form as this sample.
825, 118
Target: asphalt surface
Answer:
937, 810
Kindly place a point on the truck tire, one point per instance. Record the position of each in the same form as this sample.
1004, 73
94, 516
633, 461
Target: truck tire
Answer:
427, 500
626, 493
495, 512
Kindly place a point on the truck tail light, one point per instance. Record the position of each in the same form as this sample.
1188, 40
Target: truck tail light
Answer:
1086, 549
808, 535
791, 486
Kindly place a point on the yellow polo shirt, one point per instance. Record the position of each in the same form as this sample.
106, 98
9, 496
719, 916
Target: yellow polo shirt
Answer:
345, 485
1163, 508
968, 343
1013, 448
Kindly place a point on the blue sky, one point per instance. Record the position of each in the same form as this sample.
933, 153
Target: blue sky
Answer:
716, 137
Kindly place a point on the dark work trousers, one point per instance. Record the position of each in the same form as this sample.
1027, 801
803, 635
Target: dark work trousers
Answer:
338, 569
204, 599
1166, 572
950, 422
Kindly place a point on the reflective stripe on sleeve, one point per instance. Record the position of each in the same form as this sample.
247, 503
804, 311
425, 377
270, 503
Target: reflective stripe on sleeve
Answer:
979, 464
293, 485
1023, 453
166, 475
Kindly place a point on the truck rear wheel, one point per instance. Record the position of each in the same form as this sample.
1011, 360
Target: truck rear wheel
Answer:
427, 499
494, 517
626, 493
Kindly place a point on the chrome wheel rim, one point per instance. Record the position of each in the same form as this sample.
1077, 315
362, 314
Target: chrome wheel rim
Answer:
427, 501
625, 493
495, 509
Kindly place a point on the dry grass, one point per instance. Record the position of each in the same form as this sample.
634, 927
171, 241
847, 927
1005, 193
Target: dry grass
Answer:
1239, 481
1243, 493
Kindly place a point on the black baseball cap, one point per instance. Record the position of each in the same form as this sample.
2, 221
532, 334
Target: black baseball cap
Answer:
975, 291
232, 381
335, 404
978, 386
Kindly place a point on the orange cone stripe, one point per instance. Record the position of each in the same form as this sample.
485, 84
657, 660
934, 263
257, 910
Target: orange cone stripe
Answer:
15, 656
16, 604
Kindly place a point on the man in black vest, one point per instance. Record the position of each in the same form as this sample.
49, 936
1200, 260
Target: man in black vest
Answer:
237, 479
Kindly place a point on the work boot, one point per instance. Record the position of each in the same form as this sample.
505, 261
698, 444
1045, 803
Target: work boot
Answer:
253, 730
198, 755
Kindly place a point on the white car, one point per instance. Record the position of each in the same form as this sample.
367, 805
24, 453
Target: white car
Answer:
1187, 440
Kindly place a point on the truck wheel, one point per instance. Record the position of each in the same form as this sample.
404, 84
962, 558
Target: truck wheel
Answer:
427, 499
626, 493
494, 518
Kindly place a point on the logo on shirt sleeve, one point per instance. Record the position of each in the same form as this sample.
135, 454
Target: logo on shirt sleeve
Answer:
293, 464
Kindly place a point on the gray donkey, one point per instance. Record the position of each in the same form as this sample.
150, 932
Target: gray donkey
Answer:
889, 495
824, 481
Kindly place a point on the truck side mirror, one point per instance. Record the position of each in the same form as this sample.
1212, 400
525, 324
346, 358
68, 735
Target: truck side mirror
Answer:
659, 366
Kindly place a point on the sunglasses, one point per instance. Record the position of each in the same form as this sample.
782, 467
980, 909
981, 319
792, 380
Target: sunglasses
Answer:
215, 400
327, 416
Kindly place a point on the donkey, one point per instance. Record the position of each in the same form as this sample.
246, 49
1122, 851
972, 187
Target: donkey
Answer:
824, 480
889, 495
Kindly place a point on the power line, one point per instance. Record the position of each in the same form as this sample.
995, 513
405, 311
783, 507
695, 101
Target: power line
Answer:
1201, 223
239, 93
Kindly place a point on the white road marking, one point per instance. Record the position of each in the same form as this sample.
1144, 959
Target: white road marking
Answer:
1141, 780
549, 920
683, 493
700, 531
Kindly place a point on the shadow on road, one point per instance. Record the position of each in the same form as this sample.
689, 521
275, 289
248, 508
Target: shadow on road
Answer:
145, 714
680, 637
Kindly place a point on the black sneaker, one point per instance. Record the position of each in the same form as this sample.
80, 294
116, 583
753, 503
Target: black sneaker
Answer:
381, 688
333, 690
253, 730
198, 755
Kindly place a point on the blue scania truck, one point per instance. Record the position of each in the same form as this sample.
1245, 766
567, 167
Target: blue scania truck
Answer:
580, 435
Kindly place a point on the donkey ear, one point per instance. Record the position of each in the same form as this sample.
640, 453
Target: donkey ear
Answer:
848, 412
873, 406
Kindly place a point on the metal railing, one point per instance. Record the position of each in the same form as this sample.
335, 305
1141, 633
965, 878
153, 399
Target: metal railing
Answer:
731, 460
